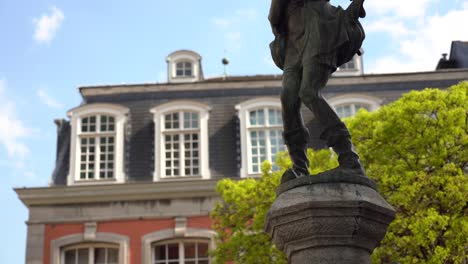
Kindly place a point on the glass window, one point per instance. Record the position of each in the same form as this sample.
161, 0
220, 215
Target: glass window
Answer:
184, 69
350, 65
91, 255
348, 110
265, 127
97, 147
181, 252
181, 141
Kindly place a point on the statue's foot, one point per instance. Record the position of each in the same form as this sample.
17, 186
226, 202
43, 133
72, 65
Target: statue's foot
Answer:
290, 174
347, 171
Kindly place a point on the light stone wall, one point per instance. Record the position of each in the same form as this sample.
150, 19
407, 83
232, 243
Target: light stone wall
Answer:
87, 212
35, 243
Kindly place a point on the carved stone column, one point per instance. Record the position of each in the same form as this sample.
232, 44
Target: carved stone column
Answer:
328, 218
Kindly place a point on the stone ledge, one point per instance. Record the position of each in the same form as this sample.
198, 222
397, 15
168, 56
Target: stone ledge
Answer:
327, 177
117, 192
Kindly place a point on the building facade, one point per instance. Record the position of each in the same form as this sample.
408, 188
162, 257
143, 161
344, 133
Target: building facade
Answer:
137, 165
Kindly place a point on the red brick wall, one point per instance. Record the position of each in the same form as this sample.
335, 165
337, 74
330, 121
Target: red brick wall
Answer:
134, 229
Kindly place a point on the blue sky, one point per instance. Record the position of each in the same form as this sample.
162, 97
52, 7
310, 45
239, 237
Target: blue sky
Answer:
49, 48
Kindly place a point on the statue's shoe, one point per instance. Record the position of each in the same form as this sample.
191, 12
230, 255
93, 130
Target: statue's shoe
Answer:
290, 174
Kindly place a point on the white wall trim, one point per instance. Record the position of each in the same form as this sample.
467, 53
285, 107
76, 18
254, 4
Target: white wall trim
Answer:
373, 102
158, 118
120, 114
166, 234
242, 112
101, 237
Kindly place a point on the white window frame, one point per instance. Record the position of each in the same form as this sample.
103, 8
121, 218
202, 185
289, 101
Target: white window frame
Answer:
352, 99
184, 61
243, 110
120, 118
58, 245
90, 248
158, 118
149, 240
181, 245
356, 71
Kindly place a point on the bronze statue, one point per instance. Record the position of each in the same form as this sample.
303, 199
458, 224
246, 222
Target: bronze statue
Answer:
312, 39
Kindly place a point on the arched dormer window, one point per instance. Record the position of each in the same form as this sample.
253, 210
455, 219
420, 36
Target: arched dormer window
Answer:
261, 128
184, 66
97, 144
353, 67
349, 104
181, 137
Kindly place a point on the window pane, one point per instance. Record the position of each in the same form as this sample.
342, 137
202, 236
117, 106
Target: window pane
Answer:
343, 111
83, 256
189, 249
100, 256
274, 117
112, 256
359, 106
160, 252
70, 256
257, 117
202, 250
173, 251
258, 149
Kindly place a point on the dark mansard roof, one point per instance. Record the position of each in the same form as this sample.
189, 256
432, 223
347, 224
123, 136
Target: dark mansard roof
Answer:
222, 95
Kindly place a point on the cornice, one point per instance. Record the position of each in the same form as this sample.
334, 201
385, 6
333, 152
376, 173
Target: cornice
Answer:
56, 195
249, 82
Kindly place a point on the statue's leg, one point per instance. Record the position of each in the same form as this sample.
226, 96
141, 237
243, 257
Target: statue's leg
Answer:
295, 134
315, 77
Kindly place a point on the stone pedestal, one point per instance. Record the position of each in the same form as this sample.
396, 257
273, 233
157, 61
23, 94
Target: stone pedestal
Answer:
328, 218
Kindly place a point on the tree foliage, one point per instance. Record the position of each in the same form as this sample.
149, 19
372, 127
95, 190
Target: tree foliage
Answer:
416, 149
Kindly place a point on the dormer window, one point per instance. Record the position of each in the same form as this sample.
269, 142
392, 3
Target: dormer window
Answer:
349, 104
97, 147
184, 66
97, 144
184, 69
181, 140
261, 127
350, 109
351, 68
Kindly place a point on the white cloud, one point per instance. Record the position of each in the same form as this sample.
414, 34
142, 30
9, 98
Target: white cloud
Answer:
268, 60
222, 22
12, 129
241, 15
420, 45
47, 25
246, 13
399, 8
48, 100
390, 25
234, 36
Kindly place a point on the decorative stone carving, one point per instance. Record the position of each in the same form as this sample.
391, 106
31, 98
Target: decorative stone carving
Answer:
328, 218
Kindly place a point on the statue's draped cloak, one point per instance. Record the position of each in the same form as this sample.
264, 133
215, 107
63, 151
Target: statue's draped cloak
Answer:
318, 31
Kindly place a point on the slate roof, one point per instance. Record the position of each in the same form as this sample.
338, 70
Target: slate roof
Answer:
458, 57
223, 124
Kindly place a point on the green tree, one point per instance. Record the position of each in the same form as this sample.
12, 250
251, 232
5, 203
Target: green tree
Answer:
416, 149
